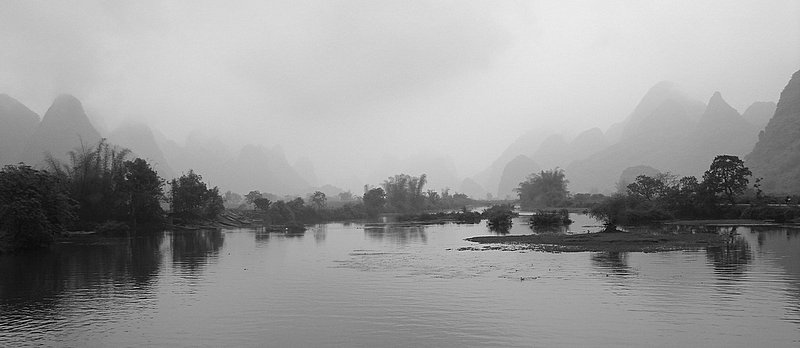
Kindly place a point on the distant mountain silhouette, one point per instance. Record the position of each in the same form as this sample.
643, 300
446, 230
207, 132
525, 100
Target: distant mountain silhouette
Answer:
140, 140
472, 189
64, 128
776, 155
259, 168
759, 113
17, 123
655, 134
646, 116
721, 130
514, 173
440, 170
552, 152
526, 145
629, 175
305, 168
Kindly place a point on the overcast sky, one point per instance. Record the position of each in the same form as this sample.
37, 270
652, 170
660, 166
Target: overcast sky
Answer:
345, 82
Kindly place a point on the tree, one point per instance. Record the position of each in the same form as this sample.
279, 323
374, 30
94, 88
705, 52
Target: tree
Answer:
651, 188
144, 189
546, 189
93, 175
34, 207
727, 176
192, 199
262, 204
345, 196
251, 197
319, 199
231, 199
404, 192
374, 200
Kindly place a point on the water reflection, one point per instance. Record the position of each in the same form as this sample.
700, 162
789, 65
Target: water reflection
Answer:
397, 233
40, 277
192, 250
320, 232
731, 259
612, 261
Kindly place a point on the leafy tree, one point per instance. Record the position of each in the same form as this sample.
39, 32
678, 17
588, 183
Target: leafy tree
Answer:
93, 175
144, 189
262, 204
727, 176
192, 199
318, 199
345, 196
232, 199
251, 197
34, 207
404, 192
545, 189
374, 200
646, 187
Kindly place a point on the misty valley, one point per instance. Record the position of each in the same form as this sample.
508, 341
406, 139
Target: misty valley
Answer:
399, 174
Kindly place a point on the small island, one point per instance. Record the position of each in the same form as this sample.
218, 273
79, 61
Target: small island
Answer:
612, 241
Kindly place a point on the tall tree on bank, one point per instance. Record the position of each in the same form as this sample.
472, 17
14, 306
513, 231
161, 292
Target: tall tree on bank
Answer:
404, 192
144, 189
192, 199
727, 176
34, 207
548, 188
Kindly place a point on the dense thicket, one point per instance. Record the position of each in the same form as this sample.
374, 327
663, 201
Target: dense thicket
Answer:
34, 207
191, 199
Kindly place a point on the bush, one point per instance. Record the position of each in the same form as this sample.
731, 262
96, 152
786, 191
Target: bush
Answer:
34, 207
551, 217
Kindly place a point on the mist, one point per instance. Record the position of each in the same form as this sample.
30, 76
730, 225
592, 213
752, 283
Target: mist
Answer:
353, 85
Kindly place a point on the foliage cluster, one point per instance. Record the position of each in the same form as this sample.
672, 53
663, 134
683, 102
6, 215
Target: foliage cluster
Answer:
34, 207
109, 187
498, 217
666, 197
191, 199
548, 188
551, 217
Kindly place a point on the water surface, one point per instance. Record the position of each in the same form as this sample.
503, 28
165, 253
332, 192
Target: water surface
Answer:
347, 285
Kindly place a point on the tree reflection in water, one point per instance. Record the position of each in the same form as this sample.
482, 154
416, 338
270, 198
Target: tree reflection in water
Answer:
192, 250
614, 262
397, 233
39, 277
730, 260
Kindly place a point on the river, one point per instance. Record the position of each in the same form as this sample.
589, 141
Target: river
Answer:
357, 285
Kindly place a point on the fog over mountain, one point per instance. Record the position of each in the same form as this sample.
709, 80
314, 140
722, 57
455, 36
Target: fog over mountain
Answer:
776, 156
287, 96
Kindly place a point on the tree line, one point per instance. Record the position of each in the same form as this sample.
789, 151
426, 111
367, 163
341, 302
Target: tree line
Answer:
98, 188
717, 194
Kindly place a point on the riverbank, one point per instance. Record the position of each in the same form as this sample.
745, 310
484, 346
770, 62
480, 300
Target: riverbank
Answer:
617, 241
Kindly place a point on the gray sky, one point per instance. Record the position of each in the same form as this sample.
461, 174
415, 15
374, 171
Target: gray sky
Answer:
346, 82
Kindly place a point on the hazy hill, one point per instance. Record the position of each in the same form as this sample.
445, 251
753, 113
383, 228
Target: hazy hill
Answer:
440, 170
526, 145
776, 155
644, 119
552, 152
140, 140
305, 168
17, 123
259, 168
472, 189
64, 127
655, 134
721, 130
629, 175
514, 173
759, 113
